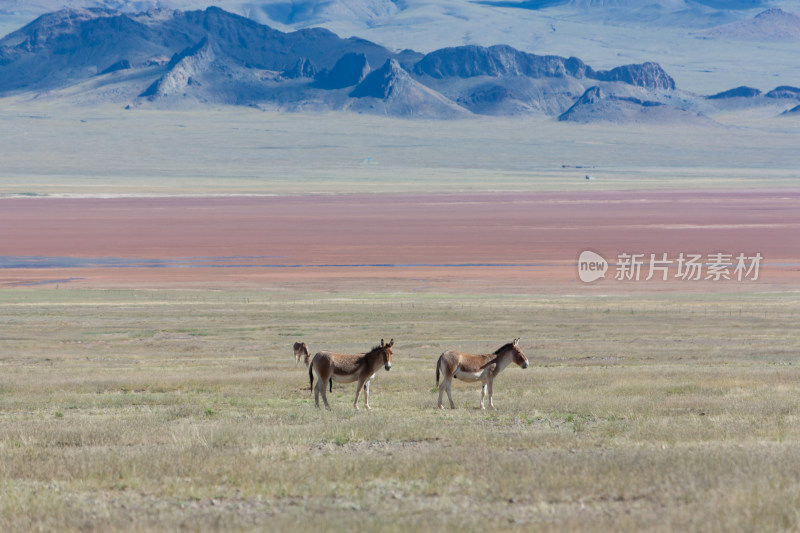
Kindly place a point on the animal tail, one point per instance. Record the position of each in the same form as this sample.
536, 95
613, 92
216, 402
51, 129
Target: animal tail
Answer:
437, 369
311, 377
308, 358
330, 380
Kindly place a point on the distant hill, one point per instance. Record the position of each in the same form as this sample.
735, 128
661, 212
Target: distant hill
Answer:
598, 105
774, 25
736, 92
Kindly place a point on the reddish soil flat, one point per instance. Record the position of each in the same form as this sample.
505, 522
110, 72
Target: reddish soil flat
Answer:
480, 242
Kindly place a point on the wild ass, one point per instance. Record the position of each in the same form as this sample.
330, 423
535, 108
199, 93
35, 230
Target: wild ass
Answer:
345, 368
484, 368
301, 348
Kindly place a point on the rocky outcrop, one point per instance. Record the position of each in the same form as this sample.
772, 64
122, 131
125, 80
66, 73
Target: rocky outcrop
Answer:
304, 68
649, 75
392, 91
598, 105
591, 96
383, 82
500, 60
182, 68
350, 70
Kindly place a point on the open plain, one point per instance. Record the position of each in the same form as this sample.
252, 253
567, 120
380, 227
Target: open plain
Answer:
155, 269
165, 410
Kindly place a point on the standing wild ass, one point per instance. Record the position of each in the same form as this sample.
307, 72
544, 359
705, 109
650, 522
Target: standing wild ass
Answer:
345, 368
484, 368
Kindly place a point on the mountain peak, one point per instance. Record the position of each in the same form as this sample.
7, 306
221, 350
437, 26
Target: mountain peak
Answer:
50, 26
182, 68
382, 82
392, 91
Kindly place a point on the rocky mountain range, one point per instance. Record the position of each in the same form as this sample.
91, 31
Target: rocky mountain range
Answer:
706, 45
172, 58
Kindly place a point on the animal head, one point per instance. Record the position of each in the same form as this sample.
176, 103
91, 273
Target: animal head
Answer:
387, 354
517, 354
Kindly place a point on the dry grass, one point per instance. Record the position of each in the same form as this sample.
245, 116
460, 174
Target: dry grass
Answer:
124, 410
234, 150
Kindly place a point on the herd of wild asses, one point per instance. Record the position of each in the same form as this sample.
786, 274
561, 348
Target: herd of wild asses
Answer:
347, 368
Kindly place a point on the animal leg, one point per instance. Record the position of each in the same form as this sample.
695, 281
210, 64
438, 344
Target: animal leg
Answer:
450, 393
445, 386
316, 395
483, 393
491, 401
358, 391
322, 381
366, 396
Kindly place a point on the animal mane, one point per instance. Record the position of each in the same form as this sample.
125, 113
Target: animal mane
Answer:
503, 348
378, 347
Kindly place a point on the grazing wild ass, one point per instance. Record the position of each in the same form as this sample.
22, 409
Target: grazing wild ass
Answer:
484, 368
300, 348
345, 368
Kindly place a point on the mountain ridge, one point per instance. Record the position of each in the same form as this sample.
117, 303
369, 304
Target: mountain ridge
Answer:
213, 56
599, 32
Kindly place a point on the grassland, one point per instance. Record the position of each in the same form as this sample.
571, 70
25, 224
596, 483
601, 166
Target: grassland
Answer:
171, 410
140, 410
52, 149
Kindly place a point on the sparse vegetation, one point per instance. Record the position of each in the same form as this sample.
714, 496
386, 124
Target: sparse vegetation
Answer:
638, 412
404, 157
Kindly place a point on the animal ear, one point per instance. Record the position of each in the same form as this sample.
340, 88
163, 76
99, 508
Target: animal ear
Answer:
382, 343
516, 341
391, 342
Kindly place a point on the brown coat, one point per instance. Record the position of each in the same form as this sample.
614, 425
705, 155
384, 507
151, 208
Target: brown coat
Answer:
471, 367
346, 368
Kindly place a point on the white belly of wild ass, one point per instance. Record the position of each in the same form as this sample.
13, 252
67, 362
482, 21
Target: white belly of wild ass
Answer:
469, 376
